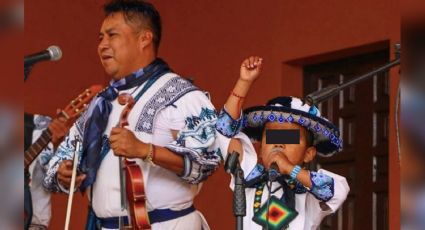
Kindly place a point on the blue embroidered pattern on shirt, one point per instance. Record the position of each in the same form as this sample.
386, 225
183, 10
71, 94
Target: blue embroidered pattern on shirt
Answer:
64, 152
80, 124
166, 95
194, 142
46, 155
323, 186
200, 128
41, 122
256, 172
228, 126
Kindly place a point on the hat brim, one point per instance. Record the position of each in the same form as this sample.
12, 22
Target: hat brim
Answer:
326, 135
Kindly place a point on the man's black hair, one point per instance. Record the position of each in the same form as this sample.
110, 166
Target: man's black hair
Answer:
138, 12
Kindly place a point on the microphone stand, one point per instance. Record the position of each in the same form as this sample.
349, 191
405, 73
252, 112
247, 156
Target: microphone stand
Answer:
233, 167
332, 90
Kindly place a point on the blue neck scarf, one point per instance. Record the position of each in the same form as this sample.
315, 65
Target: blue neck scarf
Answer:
98, 119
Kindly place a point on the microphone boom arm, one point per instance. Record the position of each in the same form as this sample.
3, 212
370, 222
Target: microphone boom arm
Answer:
332, 90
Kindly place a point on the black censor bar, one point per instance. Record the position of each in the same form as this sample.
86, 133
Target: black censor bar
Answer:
288, 136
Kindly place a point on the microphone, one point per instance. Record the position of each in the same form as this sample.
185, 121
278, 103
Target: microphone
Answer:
274, 172
53, 53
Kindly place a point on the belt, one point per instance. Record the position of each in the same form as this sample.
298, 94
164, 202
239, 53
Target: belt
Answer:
155, 216
113, 222
161, 215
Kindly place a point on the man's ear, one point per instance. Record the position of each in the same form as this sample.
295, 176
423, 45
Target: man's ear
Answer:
310, 154
145, 38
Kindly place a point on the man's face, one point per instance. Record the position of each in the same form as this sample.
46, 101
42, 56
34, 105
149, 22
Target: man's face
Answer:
294, 152
119, 46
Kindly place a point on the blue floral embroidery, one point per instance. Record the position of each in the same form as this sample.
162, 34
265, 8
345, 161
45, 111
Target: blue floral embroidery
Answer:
256, 172
80, 124
166, 95
228, 126
323, 186
41, 122
200, 160
64, 152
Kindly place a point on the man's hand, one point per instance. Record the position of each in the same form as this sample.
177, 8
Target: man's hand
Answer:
59, 129
285, 166
125, 144
251, 68
65, 173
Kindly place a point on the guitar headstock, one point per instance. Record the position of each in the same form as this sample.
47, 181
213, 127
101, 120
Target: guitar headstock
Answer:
80, 103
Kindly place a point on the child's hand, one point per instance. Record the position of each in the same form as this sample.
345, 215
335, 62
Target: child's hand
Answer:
285, 166
251, 68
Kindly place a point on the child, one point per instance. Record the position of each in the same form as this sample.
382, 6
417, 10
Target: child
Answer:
298, 198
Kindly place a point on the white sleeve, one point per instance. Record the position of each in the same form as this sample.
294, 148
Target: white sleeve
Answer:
249, 158
316, 210
65, 151
196, 137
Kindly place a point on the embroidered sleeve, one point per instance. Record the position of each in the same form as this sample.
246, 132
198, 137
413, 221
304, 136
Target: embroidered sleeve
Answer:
45, 156
227, 126
196, 140
65, 151
42, 123
322, 186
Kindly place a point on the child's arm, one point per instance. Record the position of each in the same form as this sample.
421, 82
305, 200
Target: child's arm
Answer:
320, 185
286, 167
230, 121
249, 72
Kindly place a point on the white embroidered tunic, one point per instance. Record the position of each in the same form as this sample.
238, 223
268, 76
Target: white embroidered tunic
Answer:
172, 103
310, 211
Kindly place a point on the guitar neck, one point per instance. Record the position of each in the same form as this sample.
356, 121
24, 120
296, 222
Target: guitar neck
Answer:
34, 150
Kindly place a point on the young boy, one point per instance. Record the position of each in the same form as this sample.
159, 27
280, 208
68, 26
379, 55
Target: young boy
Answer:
298, 198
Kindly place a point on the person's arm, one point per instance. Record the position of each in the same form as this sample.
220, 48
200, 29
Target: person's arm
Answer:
192, 156
320, 185
235, 145
59, 168
230, 119
249, 72
124, 143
